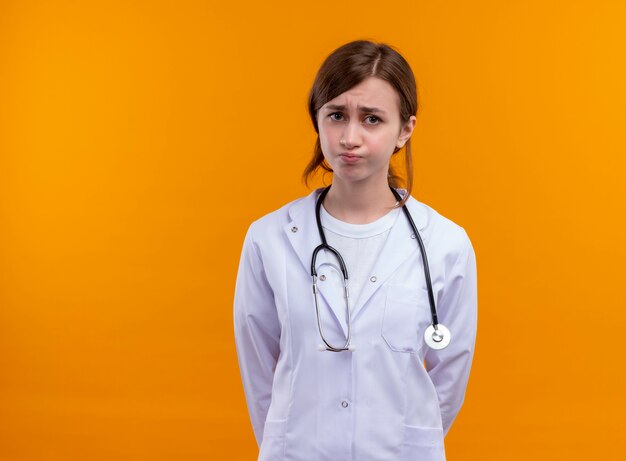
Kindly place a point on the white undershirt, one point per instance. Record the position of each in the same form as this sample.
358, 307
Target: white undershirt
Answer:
359, 245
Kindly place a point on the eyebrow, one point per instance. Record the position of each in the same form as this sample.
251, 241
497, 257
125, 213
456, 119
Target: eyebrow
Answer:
373, 110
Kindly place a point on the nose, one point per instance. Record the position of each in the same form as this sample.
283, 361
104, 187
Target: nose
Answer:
351, 135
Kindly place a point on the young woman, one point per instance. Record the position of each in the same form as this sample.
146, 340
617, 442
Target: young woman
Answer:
355, 307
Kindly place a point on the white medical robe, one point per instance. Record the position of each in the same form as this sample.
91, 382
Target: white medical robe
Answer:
393, 398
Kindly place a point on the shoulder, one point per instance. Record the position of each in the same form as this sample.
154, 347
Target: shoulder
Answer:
441, 230
272, 223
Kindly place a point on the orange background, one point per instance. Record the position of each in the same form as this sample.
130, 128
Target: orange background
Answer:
138, 140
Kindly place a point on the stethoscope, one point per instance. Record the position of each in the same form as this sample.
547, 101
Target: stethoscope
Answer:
436, 336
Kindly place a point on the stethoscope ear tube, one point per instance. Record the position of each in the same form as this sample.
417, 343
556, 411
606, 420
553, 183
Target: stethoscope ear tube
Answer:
326, 246
323, 348
344, 272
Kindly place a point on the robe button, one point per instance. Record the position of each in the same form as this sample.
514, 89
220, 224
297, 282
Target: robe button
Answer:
344, 404
294, 229
373, 278
322, 277
413, 236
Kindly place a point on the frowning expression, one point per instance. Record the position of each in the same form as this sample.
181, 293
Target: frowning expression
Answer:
359, 130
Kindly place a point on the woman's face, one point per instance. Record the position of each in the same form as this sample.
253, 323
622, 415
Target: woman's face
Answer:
360, 129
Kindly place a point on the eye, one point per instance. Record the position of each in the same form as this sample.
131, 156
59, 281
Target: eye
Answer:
376, 119
333, 114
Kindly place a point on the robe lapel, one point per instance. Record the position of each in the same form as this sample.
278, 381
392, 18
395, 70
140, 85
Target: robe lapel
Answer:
302, 234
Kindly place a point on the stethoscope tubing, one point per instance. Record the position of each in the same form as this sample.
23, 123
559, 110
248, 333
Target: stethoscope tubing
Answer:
325, 246
344, 271
429, 285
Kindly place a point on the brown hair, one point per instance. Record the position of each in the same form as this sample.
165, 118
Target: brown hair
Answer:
345, 68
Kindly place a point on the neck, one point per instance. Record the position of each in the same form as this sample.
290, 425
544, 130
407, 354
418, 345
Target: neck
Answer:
358, 203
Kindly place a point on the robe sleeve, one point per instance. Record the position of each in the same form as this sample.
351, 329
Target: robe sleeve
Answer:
257, 333
449, 368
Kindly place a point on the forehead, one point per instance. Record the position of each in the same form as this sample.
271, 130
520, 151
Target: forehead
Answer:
372, 93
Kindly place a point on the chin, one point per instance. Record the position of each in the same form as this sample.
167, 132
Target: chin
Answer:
351, 179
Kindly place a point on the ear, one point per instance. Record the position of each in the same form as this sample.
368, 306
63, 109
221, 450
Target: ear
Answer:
406, 131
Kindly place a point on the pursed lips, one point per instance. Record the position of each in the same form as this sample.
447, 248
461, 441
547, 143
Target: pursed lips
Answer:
348, 157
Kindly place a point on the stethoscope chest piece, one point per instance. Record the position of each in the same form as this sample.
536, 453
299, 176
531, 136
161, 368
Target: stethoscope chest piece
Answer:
437, 338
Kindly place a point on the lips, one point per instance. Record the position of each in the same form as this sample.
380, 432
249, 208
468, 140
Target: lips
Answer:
349, 158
